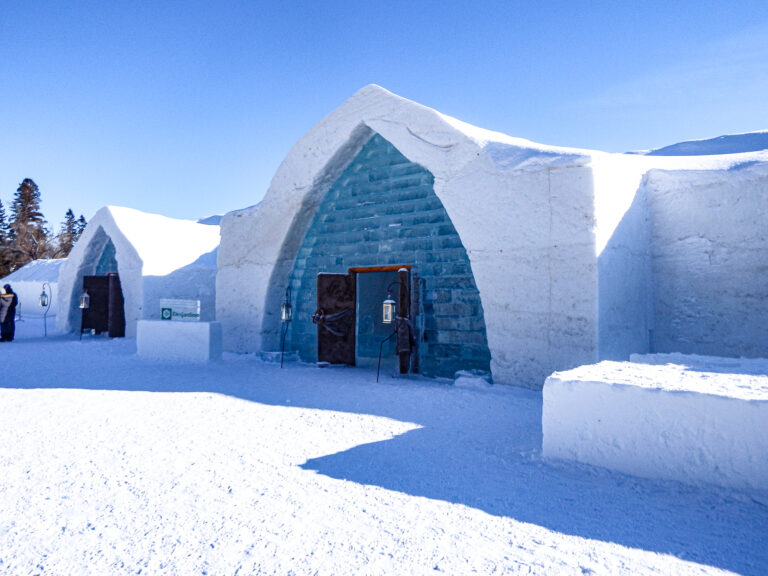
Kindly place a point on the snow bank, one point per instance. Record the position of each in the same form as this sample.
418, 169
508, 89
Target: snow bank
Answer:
191, 341
686, 421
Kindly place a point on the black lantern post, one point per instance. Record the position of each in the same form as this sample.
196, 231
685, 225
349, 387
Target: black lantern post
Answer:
85, 303
45, 304
390, 312
286, 315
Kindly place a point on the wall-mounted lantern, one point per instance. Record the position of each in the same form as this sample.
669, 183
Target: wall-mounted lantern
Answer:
286, 315
286, 312
85, 300
85, 303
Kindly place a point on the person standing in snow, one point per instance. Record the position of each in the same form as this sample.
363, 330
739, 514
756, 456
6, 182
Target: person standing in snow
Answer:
8, 301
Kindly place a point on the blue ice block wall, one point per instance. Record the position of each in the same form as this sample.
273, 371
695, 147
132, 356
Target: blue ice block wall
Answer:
383, 211
108, 260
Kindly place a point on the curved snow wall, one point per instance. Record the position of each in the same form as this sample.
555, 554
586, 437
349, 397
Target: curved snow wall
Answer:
383, 211
709, 243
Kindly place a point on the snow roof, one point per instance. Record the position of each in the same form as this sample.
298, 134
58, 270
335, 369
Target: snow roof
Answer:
513, 153
36, 271
163, 244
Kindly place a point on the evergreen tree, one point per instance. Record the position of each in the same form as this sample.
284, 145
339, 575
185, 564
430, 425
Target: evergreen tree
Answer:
67, 235
81, 224
5, 240
29, 237
5, 230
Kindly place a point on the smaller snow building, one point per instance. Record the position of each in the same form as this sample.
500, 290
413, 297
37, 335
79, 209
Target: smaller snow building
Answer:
28, 283
521, 258
148, 257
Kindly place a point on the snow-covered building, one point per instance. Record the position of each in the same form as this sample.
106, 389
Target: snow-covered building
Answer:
153, 257
28, 282
521, 258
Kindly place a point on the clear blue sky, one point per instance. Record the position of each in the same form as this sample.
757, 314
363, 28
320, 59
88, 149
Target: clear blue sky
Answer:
187, 108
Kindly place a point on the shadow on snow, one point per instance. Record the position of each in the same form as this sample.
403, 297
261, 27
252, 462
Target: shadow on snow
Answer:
478, 448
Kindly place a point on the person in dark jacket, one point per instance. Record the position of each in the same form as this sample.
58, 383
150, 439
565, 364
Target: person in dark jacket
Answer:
8, 302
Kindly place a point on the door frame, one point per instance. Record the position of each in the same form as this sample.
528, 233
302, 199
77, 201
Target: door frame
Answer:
404, 297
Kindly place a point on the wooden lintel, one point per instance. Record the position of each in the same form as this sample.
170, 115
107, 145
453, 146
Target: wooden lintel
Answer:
366, 269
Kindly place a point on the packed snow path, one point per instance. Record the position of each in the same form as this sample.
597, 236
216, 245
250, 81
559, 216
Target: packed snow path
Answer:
110, 464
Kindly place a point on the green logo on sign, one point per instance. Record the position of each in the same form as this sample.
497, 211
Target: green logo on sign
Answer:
166, 313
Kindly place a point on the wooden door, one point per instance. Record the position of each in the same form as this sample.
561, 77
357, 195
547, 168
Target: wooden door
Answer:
336, 318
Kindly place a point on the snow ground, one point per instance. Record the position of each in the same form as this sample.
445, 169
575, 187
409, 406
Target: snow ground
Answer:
112, 464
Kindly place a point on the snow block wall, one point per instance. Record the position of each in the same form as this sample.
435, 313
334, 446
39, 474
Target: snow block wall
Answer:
685, 421
382, 211
532, 248
709, 241
624, 267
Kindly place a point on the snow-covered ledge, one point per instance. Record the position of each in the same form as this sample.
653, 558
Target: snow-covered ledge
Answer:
191, 341
693, 421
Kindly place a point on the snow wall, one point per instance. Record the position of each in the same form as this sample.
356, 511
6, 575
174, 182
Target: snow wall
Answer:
623, 256
156, 257
687, 418
28, 281
523, 212
709, 242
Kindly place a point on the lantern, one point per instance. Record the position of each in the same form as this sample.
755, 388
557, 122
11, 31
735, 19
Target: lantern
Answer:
44, 299
286, 312
45, 304
85, 300
388, 310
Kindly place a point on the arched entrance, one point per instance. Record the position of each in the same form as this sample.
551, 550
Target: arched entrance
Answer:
382, 211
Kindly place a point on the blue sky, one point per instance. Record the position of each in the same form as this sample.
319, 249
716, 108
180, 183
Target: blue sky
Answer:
187, 108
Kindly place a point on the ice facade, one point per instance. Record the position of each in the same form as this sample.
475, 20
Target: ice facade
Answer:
382, 211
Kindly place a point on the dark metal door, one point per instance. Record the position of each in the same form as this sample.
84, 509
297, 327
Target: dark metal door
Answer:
106, 310
335, 318
116, 313
96, 316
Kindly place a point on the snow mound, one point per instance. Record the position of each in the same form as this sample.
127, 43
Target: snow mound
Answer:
726, 144
36, 271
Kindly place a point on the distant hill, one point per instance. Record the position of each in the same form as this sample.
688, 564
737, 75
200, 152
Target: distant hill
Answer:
727, 144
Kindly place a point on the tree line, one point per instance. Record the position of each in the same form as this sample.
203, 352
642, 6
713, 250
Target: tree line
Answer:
25, 235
